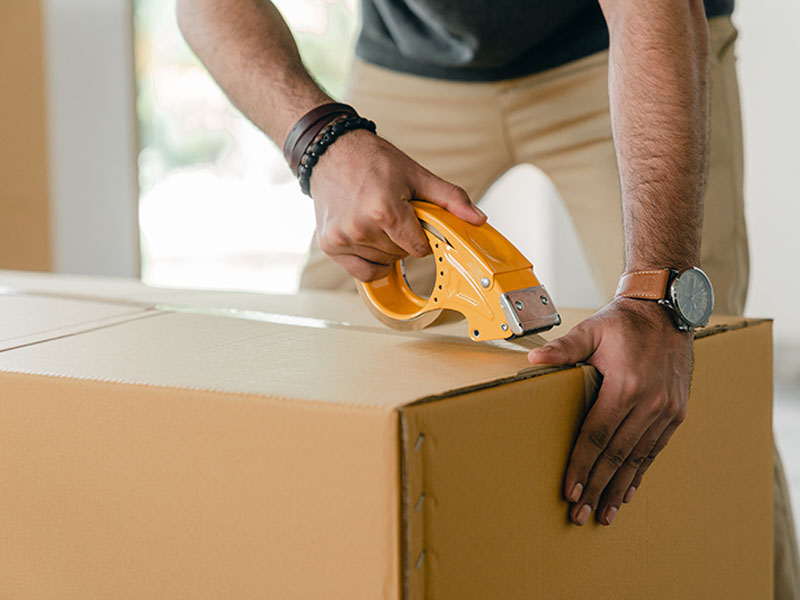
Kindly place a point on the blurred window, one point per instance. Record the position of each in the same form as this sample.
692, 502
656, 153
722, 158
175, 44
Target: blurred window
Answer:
218, 206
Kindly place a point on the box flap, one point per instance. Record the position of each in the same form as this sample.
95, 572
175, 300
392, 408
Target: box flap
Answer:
28, 320
234, 355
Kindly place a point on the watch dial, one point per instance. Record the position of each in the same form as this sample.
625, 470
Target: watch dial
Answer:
693, 297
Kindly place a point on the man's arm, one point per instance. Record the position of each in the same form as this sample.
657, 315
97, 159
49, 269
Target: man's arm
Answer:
362, 185
658, 89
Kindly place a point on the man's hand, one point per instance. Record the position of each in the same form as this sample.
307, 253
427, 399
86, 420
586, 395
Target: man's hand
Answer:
361, 188
646, 366
362, 184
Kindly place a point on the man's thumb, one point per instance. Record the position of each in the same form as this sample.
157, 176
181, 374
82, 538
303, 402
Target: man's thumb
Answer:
574, 347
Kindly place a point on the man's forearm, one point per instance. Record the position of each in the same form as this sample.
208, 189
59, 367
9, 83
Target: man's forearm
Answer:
250, 52
658, 86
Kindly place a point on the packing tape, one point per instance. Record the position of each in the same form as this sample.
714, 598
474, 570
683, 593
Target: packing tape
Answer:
523, 344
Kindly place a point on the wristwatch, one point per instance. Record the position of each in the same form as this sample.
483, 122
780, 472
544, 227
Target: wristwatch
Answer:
688, 294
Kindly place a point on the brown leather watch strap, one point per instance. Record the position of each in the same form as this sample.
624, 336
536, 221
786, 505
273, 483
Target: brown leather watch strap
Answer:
644, 285
306, 129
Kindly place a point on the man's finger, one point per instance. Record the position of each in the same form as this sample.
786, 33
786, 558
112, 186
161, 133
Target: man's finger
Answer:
597, 431
364, 240
662, 442
375, 255
615, 492
408, 234
451, 197
361, 269
608, 462
574, 347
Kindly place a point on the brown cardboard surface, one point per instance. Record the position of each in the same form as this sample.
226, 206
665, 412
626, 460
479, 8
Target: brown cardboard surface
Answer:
114, 491
493, 523
205, 451
24, 202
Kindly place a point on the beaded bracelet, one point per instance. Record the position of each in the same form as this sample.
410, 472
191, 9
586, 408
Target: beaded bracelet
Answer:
328, 136
306, 130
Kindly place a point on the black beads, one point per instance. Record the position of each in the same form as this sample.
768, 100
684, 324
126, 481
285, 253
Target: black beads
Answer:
327, 137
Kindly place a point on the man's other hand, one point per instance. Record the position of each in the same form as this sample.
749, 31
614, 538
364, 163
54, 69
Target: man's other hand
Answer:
361, 188
646, 365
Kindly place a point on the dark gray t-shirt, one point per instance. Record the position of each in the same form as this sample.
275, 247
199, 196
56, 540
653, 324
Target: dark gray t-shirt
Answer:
485, 40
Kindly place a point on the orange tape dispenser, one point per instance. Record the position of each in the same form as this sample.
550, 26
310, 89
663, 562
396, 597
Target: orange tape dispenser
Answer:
479, 274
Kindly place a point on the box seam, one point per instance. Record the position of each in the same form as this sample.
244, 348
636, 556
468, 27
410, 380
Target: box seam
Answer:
110, 322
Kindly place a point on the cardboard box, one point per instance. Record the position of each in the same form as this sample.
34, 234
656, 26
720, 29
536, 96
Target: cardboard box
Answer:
173, 444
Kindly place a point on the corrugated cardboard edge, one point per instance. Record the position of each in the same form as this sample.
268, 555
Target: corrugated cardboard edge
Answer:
410, 468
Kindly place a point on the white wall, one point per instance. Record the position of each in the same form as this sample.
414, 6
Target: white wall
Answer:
92, 136
769, 76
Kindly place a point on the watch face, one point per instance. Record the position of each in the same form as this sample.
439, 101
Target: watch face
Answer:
693, 297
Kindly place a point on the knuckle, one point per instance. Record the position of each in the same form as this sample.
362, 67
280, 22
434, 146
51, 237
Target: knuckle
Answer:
614, 456
635, 461
336, 238
326, 245
558, 345
598, 437
459, 193
634, 385
381, 214
358, 233
659, 404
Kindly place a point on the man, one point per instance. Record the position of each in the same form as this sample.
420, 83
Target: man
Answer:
471, 88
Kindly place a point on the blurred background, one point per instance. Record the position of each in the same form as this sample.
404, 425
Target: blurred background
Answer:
121, 157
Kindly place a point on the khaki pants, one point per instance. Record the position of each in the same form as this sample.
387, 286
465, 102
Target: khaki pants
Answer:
472, 133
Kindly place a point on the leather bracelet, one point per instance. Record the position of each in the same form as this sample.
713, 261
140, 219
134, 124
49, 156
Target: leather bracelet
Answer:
308, 127
323, 141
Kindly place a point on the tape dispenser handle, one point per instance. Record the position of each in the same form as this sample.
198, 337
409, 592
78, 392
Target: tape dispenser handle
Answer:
391, 296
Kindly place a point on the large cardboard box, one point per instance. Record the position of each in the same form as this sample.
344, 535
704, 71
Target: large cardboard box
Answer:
169, 444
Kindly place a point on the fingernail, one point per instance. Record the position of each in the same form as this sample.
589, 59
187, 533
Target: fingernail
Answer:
610, 514
629, 494
583, 515
576, 492
544, 349
479, 211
